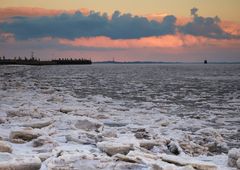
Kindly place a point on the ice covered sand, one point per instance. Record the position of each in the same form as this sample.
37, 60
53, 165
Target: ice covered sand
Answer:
168, 117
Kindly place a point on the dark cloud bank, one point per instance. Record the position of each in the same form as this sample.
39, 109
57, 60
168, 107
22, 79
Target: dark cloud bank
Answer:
120, 26
208, 27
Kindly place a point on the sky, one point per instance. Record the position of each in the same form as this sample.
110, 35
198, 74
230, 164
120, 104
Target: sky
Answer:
123, 30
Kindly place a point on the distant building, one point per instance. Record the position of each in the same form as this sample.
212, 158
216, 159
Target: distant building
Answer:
205, 61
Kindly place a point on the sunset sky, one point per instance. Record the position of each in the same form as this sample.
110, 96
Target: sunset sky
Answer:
136, 30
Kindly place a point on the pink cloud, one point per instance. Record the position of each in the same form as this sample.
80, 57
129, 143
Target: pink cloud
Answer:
166, 41
231, 27
196, 50
7, 37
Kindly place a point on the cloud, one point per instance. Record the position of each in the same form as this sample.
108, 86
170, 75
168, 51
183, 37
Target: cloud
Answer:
232, 28
76, 25
208, 27
194, 12
120, 26
179, 47
166, 41
6, 37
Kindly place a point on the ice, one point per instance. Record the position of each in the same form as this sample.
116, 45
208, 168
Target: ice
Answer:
146, 107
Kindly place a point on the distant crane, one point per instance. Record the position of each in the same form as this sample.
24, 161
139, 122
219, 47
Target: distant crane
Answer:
32, 55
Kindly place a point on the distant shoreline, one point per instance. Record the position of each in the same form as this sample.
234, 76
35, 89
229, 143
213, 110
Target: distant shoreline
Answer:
89, 62
152, 62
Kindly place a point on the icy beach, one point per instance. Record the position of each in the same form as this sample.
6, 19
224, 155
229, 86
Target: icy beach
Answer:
153, 117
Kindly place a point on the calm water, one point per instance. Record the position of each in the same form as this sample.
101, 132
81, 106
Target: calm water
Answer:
207, 92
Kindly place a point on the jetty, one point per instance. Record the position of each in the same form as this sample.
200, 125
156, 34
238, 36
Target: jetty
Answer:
34, 61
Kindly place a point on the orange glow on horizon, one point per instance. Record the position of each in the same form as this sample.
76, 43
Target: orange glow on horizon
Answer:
166, 41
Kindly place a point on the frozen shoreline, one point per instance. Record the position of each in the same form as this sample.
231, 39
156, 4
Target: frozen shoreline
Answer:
66, 131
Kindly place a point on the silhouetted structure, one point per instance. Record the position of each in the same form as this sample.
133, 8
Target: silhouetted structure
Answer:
34, 61
205, 61
71, 61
